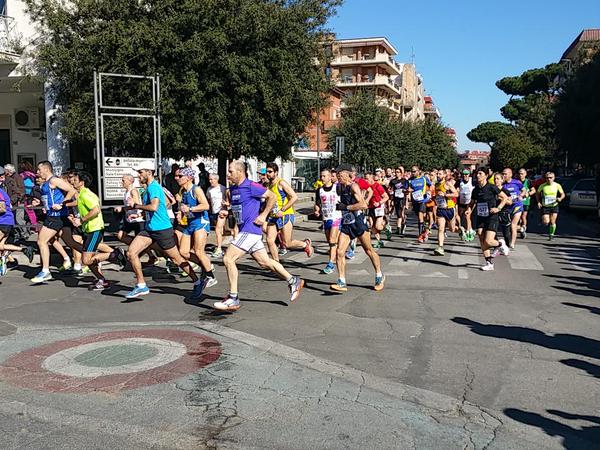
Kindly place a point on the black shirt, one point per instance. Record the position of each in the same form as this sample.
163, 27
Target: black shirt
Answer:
486, 194
398, 183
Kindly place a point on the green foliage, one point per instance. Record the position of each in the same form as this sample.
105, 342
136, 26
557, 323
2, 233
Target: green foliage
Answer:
374, 138
513, 150
489, 132
534, 81
578, 114
238, 76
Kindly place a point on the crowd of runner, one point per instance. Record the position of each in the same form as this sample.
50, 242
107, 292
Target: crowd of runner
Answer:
172, 222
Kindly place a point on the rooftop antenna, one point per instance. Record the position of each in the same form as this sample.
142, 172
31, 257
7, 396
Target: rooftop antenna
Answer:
412, 55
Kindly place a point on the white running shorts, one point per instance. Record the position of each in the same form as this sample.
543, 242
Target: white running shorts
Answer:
249, 242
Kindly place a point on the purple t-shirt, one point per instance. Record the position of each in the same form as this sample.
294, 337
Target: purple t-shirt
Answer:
245, 205
514, 187
7, 218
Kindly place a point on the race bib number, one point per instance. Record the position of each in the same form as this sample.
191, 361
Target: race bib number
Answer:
327, 211
399, 193
549, 200
380, 211
441, 202
237, 213
348, 218
418, 196
483, 210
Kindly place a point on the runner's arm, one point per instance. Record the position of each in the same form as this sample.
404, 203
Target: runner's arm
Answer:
561, 195
270, 200
361, 201
317, 203
64, 186
152, 207
291, 194
202, 201
451, 190
368, 195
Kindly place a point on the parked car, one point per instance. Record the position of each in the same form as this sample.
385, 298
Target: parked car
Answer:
567, 184
583, 195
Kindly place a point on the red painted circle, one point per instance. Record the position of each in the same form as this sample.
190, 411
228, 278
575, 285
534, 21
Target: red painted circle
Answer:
25, 369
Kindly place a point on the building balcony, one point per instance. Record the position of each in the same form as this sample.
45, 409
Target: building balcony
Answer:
9, 57
381, 59
380, 81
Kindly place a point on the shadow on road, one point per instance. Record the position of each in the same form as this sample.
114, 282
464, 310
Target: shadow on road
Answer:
569, 343
573, 438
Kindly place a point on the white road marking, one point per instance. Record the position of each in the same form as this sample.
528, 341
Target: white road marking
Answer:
521, 258
396, 273
407, 257
463, 274
358, 272
359, 257
435, 275
466, 256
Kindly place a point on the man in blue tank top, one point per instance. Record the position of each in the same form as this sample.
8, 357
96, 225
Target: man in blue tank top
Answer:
56, 192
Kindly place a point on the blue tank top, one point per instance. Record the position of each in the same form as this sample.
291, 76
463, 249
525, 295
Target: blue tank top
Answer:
190, 200
53, 197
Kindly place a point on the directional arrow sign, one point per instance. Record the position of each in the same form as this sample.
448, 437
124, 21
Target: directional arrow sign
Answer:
108, 162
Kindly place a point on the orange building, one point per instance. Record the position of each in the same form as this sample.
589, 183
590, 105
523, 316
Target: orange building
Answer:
315, 138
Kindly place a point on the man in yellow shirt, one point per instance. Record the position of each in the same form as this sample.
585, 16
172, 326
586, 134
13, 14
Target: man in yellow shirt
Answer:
549, 195
92, 224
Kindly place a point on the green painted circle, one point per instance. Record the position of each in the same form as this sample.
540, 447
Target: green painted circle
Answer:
116, 355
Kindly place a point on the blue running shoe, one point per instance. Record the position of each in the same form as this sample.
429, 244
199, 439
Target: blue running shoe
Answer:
339, 286
350, 254
138, 292
329, 268
41, 277
199, 288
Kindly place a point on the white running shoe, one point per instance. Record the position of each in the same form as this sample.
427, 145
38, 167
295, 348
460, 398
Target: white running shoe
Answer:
229, 304
504, 248
488, 266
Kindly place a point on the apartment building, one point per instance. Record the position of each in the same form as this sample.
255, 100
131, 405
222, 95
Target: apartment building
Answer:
23, 132
412, 99
430, 110
582, 49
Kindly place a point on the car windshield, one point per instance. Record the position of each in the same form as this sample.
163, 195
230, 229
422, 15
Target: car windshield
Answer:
585, 185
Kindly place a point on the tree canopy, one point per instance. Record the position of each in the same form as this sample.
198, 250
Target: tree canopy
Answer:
489, 132
375, 138
238, 77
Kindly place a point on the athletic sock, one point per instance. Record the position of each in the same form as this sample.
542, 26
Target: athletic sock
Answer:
209, 274
379, 274
77, 266
343, 280
233, 295
141, 285
489, 259
291, 280
421, 227
552, 229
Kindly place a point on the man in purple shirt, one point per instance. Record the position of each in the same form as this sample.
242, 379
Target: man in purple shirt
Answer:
246, 199
7, 222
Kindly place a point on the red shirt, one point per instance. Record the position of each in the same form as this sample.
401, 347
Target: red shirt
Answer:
378, 191
362, 183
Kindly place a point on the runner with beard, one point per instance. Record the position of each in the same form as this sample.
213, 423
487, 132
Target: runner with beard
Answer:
398, 187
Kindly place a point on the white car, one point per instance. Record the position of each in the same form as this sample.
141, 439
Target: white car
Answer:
583, 196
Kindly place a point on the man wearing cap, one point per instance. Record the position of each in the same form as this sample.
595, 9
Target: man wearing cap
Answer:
354, 226
465, 191
158, 229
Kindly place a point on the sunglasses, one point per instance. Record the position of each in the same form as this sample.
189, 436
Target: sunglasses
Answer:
270, 171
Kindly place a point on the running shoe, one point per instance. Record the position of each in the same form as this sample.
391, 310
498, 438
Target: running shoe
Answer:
377, 244
99, 285
228, 304
339, 286
487, 267
379, 282
66, 267
199, 288
283, 251
211, 281
350, 254
296, 288
524, 234
439, 251
3, 266
309, 248
496, 252
550, 237
84, 270
388, 232
217, 253
138, 292
329, 268
28, 251
402, 229
504, 248
461, 234
41, 277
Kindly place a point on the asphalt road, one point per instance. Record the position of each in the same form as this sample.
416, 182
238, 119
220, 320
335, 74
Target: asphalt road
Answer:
447, 355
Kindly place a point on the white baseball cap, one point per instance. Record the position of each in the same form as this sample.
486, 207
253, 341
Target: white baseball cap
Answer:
146, 165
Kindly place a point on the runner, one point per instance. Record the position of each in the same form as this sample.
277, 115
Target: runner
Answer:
549, 195
55, 193
281, 218
354, 225
90, 220
376, 205
196, 226
419, 189
158, 229
517, 193
133, 219
488, 200
216, 194
367, 193
465, 191
528, 192
504, 215
246, 198
398, 188
445, 193
7, 222
326, 199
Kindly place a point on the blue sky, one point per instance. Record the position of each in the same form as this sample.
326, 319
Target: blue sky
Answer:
462, 47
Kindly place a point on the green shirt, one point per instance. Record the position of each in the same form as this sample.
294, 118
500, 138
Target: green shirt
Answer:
527, 187
86, 201
549, 193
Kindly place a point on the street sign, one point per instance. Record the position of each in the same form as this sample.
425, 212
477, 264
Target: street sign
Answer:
339, 147
113, 169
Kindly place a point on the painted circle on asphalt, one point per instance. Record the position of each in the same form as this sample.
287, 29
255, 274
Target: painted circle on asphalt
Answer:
111, 362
